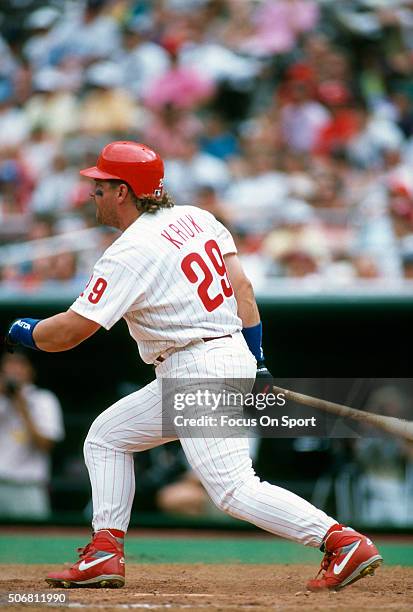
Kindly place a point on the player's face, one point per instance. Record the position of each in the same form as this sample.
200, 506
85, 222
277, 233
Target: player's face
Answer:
104, 197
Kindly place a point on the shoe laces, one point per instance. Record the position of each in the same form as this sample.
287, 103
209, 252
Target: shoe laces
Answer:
326, 561
84, 550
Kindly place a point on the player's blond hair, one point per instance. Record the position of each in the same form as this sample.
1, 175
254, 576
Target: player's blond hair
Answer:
150, 204
146, 203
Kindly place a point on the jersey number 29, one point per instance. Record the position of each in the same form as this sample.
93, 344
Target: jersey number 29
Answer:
97, 291
214, 257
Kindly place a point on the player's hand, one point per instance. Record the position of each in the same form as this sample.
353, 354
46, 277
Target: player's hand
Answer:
263, 371
263, 379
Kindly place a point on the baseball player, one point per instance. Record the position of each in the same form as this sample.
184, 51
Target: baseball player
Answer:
175, 277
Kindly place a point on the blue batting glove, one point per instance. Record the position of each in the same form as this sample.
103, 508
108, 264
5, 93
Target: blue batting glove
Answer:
21, 332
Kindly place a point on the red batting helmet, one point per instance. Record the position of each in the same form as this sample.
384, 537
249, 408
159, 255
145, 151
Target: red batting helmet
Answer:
132, 162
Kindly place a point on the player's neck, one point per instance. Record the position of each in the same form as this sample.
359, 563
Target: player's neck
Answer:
127, 218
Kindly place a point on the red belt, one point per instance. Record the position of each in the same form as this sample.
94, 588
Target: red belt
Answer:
160, 359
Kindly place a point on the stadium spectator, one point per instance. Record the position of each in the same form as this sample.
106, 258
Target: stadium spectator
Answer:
39, 46
193, 169
170, 129
53, 107
180, 86
302, 117
277, 24
218, 139
344, 122
383, 488
206, 197
107, 106
14, 126
39, 151
298, 244
15, 184
256, 196
54, 192
30, 424
140, 59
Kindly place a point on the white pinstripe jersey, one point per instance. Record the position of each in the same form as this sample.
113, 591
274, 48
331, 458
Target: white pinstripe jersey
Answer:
165, 275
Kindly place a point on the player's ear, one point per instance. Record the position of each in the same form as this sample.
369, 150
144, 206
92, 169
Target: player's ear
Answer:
123, 190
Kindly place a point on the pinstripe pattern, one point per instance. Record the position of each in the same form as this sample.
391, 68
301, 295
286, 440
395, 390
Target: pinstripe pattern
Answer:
165, 311
132, 424
147, 287
223, 465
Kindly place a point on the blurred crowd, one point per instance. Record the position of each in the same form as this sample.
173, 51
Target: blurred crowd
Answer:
290, 120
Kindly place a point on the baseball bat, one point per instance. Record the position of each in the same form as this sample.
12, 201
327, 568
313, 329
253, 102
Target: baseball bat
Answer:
393, 425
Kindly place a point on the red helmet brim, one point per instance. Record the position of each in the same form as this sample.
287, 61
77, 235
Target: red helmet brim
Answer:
97, 174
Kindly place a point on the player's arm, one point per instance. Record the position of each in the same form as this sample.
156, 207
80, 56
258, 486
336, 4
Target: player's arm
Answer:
247, 311
244, 293
58, 333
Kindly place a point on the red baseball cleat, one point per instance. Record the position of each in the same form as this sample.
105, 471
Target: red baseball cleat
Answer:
349, 556
101, 564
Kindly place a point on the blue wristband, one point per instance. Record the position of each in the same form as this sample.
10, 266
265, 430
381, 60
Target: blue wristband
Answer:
21, 332
253, 337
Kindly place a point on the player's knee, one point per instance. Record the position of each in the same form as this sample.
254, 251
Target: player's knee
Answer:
94, 435
232, 499
91, 446
224, 501
88, 445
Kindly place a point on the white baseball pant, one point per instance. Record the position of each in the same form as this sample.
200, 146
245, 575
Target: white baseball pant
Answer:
223, 465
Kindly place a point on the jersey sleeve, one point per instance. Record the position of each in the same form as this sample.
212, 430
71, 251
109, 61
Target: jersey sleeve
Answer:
224, 237
112, 291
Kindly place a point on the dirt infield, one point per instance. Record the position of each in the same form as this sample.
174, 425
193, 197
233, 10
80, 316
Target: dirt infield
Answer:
223, 587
